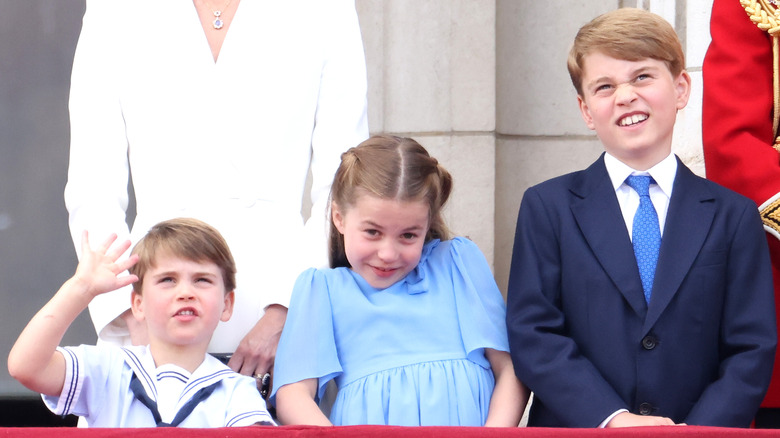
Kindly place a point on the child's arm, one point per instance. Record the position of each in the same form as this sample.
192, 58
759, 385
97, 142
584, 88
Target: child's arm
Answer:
33, 360
509, 396
295, 404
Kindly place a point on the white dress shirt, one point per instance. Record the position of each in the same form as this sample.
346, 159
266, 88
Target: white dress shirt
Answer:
663, 173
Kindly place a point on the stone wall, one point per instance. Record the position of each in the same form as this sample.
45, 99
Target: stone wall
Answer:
483, 85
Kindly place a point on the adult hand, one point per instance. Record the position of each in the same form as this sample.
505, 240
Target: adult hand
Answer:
256, 353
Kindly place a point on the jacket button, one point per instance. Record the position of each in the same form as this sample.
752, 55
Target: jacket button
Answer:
645, 409
649, 342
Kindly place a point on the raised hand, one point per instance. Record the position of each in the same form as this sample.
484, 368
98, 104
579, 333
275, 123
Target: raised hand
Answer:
33, 360
98, 271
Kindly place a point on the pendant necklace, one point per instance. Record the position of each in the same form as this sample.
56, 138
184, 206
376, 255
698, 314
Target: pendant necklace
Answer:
218, 23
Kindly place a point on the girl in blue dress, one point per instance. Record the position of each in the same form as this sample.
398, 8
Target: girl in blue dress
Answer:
409, 323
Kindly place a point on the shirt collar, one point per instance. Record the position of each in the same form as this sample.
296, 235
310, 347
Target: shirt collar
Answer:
139, 359
663, 173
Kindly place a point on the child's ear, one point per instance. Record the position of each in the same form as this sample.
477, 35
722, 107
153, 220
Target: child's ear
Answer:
585, 110
683, 88
136, 305
227, 311
337, 216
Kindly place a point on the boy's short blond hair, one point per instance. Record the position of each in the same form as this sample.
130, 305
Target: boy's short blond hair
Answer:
628, 34
186, 238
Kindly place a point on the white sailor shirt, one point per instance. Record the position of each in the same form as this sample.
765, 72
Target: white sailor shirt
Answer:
97, 387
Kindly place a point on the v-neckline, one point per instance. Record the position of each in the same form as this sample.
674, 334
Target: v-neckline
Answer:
204, 36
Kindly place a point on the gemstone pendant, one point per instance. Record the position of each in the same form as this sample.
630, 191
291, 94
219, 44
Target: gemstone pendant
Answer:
218, 23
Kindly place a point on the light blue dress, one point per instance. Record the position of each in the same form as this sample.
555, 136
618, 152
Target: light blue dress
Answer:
411, 354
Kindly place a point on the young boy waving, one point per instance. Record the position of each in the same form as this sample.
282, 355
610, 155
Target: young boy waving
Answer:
183, 279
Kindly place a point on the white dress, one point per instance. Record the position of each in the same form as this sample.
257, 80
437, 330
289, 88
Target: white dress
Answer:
228, 142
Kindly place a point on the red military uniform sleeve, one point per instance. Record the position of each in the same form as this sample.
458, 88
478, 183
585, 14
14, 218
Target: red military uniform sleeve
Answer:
737, 121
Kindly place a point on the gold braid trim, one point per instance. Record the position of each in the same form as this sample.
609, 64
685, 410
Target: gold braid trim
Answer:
770, 215
765, 14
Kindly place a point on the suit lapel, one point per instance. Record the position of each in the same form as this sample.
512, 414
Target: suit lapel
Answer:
688, 221
598, 215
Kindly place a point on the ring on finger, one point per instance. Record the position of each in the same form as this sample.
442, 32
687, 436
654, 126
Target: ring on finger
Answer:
263, 383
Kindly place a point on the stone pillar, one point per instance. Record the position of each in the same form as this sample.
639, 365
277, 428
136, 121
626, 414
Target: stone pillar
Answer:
540, 132
431, 76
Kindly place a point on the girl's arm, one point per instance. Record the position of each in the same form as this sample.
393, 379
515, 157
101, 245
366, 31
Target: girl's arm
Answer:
295, 404
509, 396
33, 360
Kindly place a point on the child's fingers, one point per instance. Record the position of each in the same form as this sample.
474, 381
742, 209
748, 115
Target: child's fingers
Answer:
118, 250
103, 249
127, 264
85, 242
126, 280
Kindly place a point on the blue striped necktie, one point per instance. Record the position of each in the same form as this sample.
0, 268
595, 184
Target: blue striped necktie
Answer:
646, 233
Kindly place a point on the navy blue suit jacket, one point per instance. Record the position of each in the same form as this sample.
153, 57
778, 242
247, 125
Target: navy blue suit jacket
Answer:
586, 343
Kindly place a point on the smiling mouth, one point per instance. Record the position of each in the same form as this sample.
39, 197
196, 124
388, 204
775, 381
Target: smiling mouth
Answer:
384, 272
632, 120
186, 312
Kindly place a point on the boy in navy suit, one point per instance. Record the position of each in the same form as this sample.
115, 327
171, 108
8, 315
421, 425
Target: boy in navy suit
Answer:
639, 293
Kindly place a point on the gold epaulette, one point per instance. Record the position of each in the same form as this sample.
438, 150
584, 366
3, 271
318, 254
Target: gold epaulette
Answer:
770, 215
765, 15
